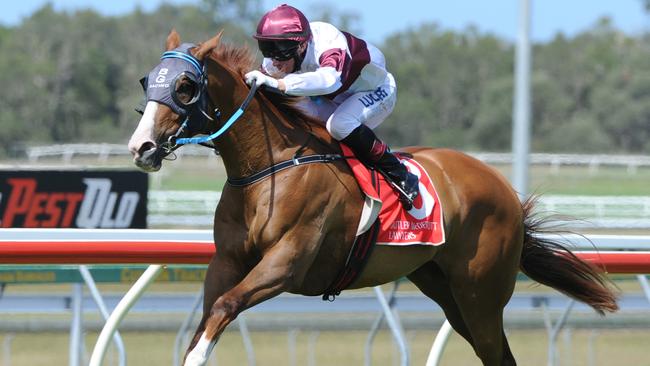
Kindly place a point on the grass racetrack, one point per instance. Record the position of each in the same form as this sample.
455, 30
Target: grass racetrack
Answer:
578, 348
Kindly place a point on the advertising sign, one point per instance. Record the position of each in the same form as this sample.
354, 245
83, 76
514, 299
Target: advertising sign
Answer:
73, 199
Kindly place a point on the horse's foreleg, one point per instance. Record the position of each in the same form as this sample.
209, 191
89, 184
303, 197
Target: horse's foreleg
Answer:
274, 274
223, 274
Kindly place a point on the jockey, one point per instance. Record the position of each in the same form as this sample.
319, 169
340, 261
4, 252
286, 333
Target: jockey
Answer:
318, 60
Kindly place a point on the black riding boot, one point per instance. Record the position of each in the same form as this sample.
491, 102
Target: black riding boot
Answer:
372, 151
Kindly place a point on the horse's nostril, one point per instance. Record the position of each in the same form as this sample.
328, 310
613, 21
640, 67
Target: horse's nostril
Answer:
146, 147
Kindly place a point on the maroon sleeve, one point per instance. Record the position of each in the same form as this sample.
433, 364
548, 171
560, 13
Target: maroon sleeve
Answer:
334, 57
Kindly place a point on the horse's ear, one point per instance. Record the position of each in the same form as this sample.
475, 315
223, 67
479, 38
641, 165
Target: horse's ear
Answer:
207, 46
173, 40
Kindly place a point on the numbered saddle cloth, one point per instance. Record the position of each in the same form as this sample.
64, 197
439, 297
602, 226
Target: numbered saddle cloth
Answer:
421, 225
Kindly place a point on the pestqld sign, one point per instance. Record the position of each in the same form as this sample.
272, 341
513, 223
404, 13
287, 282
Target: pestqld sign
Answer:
73, 199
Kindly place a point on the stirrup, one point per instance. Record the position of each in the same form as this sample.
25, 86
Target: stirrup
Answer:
404, 198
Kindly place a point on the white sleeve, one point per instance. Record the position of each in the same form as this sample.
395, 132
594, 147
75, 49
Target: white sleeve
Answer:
323, 81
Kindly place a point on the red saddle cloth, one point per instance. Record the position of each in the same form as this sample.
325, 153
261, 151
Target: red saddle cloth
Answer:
422, 224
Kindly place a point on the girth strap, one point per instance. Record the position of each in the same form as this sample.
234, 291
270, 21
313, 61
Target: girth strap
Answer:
357, 259
358, 256
296, 161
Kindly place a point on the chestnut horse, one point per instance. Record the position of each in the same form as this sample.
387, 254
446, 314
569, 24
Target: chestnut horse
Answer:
292, 231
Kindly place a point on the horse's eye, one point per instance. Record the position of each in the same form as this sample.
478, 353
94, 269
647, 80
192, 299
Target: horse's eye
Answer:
186, 90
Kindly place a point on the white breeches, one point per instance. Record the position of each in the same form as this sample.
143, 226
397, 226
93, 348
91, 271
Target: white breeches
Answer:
347, 111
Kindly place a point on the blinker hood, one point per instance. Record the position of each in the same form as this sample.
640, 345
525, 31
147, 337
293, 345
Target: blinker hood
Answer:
159, 84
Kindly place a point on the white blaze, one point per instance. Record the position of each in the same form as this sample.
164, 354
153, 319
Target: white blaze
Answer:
144, 132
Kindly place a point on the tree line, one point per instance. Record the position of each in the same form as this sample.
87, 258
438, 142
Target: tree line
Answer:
71, 77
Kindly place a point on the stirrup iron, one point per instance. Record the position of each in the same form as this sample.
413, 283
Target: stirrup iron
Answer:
404, 198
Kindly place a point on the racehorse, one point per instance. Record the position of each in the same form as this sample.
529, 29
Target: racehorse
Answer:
291, 230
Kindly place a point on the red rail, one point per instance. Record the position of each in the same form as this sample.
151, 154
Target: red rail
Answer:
200, 252
619, 261
94, 252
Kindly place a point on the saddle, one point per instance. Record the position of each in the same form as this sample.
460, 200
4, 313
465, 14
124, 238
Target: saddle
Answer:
420, 225
385, 221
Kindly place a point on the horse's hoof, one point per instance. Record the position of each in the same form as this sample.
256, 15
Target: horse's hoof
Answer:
195, 360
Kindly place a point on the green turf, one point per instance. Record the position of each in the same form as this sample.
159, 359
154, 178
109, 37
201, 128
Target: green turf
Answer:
581, 181
209, 174
606, 347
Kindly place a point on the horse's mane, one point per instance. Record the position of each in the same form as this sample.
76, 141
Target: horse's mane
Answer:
241, 60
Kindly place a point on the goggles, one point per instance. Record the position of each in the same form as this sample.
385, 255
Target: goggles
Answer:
279, 50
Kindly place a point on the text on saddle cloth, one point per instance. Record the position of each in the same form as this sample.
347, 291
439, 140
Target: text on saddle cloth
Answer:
422, 224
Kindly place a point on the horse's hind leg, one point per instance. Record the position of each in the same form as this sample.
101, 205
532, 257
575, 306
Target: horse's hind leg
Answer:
480, 324
483, 284
433, 283
484, 319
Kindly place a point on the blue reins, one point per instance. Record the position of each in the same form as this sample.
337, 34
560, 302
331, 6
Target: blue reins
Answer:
235, 116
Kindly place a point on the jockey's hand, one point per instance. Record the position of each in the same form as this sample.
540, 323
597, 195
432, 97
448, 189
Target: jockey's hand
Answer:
259, 78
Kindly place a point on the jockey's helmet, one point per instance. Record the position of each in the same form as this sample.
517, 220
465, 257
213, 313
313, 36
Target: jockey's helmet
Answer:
281, 31
284, 23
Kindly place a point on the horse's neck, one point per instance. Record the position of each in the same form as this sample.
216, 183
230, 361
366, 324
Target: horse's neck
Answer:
263, 138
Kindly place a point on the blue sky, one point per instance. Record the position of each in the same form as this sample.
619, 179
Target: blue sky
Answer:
382, 17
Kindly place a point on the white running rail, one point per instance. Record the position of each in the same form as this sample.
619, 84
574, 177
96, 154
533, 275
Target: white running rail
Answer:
196, 209
593, 161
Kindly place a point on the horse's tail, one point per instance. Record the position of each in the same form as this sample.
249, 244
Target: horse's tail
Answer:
549, 262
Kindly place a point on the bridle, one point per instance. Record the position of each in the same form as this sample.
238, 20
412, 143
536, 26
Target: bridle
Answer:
193, 110
197, 103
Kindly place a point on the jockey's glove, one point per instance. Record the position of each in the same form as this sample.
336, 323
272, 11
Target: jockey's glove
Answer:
259, 78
